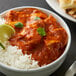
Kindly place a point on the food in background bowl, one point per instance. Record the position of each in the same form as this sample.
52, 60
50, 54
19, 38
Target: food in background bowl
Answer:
38, 39
69, 6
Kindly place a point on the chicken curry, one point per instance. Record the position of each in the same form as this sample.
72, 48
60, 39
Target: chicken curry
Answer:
37, 34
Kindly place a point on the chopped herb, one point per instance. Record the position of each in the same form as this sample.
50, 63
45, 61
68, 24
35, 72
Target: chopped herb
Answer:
2, 45
37, 18
19, 25
41, 31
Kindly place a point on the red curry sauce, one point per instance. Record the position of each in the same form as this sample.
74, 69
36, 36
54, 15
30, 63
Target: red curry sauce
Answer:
44, 49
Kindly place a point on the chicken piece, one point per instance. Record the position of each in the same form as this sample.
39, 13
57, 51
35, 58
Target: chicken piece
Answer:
50, 20
61, 35
35, 24
37, 13
12, 17
36, 19
57, 36
27, 38
55, 33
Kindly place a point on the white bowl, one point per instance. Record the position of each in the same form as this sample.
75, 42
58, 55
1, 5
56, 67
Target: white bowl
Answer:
55, 5
41, 71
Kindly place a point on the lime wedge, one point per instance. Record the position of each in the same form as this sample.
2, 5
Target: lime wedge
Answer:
6, 31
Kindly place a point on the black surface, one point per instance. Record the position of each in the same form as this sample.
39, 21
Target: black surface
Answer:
7, 4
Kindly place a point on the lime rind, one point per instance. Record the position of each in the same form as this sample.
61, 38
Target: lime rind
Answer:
6, 31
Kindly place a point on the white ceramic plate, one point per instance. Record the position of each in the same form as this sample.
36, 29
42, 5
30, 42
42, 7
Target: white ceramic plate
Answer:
55, 5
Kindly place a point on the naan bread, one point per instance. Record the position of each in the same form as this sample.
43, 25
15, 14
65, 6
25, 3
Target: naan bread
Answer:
69, 6
71, 12
65, 4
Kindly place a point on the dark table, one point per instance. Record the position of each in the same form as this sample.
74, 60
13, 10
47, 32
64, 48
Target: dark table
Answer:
71, 57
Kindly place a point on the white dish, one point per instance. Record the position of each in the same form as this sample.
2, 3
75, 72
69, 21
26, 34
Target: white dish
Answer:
55, 5
47, 69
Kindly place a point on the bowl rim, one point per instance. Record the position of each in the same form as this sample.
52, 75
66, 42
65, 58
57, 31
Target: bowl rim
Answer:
46, 66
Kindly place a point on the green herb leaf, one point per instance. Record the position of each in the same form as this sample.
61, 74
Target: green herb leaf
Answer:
2, 45
37, 18
41, 31
19, 25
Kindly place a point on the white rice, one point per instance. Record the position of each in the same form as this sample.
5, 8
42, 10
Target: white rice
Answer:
12, 56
